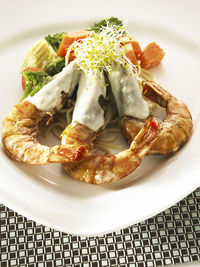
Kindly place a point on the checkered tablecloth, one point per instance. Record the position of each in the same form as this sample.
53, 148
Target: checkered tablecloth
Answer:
172, 236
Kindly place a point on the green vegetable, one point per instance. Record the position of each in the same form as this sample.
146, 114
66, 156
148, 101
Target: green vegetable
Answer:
34, 82
54, 40
55, 66
97, 27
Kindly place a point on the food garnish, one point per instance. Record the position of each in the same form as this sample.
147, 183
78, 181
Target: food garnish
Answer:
101, 25
98, 52
69, 39
55, 66
151, 56
40, 54
55, 39
34, 81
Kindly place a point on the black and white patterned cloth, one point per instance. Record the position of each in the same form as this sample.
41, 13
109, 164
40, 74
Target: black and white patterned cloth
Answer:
172, 236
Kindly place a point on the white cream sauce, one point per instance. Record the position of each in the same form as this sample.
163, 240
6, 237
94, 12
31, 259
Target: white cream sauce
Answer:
87, 109
127, 93
49, 98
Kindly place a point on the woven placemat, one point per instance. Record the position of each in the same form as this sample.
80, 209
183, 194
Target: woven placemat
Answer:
172, 236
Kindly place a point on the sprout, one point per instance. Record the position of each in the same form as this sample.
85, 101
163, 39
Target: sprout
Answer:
98, 52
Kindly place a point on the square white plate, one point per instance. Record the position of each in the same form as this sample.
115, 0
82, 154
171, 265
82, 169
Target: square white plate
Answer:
45, 193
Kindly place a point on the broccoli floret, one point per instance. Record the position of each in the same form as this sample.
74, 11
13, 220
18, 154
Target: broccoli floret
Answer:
97, 27
55, 66
34, 82
54, 40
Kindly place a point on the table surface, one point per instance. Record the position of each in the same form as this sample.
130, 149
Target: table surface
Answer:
171, 237
191, 264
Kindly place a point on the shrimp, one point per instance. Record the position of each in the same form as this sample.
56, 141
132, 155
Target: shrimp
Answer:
22, 125
100, 168
176, 127
19, 137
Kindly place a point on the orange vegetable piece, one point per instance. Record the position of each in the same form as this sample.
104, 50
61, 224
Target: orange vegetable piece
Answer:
130, 53
126, 39
151, 56
72, 56
69, 39
24, 79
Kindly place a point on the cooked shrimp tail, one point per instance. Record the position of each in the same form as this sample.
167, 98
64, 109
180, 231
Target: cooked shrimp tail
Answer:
100, 168
146, 137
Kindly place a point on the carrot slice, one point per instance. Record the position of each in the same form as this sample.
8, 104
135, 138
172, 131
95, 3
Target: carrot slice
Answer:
69, 39
151, 56
24, 79
130, 53
72, 56
126, 39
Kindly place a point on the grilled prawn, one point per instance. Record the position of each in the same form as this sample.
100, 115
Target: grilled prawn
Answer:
99, 168
22, 125
19, 137
176, 127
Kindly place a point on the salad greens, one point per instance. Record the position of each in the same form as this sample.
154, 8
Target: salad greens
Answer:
55, 66
97, 27
55, 39
34, 82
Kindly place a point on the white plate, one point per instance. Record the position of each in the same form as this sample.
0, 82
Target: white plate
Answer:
46, 194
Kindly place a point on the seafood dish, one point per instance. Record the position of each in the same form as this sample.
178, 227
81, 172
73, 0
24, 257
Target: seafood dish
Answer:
80, 86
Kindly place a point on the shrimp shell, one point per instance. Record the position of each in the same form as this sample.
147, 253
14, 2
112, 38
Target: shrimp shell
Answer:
103, 168
176, 127
19, 138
